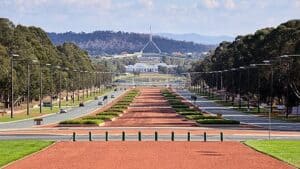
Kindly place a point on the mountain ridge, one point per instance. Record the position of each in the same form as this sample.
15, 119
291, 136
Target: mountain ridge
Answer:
197, 38
110, 42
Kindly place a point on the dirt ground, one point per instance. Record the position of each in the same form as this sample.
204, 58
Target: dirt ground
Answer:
149, 155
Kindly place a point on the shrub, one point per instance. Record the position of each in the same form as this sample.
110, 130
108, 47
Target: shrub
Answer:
190, 113
180, 106
184, 110
217, 121
70, 122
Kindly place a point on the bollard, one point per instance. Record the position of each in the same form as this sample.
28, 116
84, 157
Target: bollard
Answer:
140, 136
106, 136
156, 136
123, 136
172, 136
221, 136
74, 135
90, 136
188, 136
204, 136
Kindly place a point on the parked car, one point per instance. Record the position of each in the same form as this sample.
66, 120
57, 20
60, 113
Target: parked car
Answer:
100, 103
63, 111
81, 104
112, 96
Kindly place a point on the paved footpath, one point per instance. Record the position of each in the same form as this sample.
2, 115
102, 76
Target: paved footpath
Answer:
212, 107
149, 155
150, 109
57, 117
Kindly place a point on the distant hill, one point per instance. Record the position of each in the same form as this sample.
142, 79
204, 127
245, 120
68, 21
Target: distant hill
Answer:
193, 37
109, 42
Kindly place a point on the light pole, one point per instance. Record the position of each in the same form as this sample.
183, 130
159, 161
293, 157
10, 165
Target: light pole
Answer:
51, 87
240, 93
12, 84
232, 84
41, 88
28, 85
267, 63
59, 95
288, 80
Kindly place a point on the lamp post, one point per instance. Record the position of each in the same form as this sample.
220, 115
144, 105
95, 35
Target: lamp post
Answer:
240, 93
232, 84
73, 86
288, 80
267, 63
41, 88
28, 85
51, 86
59, 95
12, 84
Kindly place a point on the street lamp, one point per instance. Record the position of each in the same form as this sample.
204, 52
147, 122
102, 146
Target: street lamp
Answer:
12, 85
59, 99
51, 86
232, 84
268, 63
28, 84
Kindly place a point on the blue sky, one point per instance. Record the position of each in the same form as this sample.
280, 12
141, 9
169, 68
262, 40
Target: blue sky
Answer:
207, 17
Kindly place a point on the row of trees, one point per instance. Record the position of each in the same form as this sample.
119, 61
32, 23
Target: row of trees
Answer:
264, 45
38, 55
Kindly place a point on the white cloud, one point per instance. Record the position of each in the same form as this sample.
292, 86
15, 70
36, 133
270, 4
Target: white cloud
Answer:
229, 4
297, 2
147, 3
211, 3
103, 4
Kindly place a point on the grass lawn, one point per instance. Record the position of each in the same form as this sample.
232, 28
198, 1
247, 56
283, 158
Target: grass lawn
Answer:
15, 149
286, 150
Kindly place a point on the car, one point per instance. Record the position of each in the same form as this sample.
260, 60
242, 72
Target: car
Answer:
81, 104
112, 96
100, 103
63, 111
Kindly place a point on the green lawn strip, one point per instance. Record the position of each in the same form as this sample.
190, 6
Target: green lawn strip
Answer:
192, 114
33, 113
285, 150
108, 114
11, 150
217, 121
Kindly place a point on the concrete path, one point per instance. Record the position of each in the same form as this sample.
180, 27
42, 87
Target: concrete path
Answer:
57, 117
212, 107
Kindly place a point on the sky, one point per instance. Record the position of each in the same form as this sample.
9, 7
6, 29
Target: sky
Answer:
206, 17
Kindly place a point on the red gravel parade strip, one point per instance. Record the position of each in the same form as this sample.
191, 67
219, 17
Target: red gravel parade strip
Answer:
150, 109
149, 155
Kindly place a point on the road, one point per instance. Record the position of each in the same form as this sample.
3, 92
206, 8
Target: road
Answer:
212, 107
57, 117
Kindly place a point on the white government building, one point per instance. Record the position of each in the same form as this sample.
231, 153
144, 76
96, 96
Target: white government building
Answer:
148, 62
143, 67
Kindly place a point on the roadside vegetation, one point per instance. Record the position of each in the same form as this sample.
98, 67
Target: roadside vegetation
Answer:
11, 150
263, 111
113, 112
286, 150
279, 46
191, 113
35, 112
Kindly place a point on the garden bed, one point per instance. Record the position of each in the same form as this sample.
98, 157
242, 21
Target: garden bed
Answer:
109, 114
191, 112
